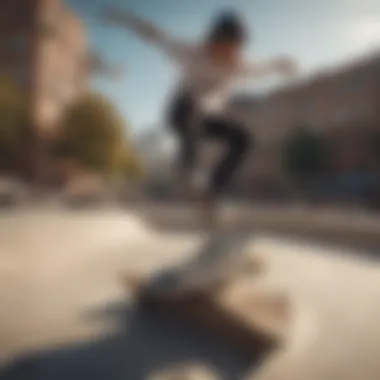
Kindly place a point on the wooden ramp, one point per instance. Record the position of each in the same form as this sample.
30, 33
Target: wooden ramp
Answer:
213, 291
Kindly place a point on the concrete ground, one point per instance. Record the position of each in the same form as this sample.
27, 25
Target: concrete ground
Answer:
65, 313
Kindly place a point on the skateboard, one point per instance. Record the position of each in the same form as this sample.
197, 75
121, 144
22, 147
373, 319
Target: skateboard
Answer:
219, 260
203, 289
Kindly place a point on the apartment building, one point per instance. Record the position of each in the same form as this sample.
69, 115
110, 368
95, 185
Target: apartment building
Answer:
44, 49
343, 103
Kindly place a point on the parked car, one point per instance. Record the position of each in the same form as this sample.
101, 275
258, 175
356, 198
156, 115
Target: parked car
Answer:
86, 191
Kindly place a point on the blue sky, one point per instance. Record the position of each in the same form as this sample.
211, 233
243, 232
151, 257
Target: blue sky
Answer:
316, 33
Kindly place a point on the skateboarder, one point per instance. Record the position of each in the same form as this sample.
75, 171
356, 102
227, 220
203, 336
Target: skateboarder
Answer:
198, 109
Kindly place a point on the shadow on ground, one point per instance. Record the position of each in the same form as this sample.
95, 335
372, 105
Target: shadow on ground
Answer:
148, 341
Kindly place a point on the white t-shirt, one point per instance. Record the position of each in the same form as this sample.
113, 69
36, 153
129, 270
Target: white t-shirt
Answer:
210, 85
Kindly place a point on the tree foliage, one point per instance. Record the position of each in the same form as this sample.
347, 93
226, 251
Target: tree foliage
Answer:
14, 126
94, 135
130, 165
305, 154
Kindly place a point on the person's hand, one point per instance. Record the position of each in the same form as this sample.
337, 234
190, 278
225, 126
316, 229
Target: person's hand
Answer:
286, 66
126, 19
112, 15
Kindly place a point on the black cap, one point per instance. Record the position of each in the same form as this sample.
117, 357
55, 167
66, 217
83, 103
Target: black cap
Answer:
228, 25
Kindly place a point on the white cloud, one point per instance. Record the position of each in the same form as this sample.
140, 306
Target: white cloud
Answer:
366, 32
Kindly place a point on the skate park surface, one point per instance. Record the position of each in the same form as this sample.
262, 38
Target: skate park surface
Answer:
66, 313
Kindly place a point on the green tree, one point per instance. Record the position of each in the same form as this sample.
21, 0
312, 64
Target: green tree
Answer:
14, 126
130, 165
305, 155
94, 135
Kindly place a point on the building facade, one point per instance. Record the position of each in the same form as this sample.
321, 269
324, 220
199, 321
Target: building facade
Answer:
44, 50
60, 62
342, 103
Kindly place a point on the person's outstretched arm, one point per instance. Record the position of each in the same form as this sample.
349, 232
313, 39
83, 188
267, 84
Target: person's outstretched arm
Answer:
278, 66
148, 31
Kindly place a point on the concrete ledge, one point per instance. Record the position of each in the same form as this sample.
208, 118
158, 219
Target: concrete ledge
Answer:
340, 226
347, 228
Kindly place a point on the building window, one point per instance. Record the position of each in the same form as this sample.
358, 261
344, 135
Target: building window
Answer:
342, 115
65, 92
17, 43
18, 14
49, 23
306, 108
365, 109
21, 75
360, 82
57, 90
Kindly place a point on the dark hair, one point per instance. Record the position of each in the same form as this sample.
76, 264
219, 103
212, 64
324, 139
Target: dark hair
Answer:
229, 26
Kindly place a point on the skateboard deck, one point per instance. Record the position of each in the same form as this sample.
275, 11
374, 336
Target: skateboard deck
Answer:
222, 257
199, 290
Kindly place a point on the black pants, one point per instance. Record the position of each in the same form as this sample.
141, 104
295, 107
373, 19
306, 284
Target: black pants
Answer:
191, 126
